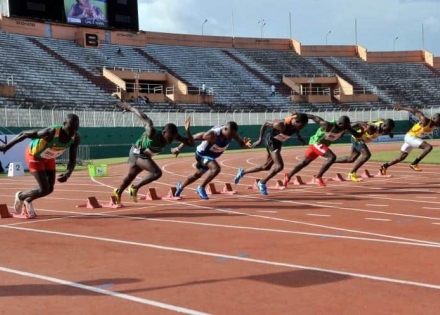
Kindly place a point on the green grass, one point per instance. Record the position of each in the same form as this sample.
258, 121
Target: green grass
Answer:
432, 158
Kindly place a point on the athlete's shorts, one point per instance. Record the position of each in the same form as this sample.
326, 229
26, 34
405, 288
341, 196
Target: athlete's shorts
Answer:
273, 145
316, 150
202, 162
358, 146
410, 143
36, 165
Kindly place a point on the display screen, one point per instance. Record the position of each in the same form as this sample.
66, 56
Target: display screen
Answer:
86, 12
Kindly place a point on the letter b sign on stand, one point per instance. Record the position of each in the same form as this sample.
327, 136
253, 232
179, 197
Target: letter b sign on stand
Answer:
15, 169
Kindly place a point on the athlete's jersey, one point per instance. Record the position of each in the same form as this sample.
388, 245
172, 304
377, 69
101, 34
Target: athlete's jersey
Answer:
151, 145
327, 137
43, 149
420, 131
213, 150
281, 136
367, 137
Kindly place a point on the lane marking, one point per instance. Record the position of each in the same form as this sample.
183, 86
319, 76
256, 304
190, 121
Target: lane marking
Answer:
103, 291
329, 202
318, 215
209, 254
375, 205
377, 219
265, 211
426, 197
436, 223
430, 208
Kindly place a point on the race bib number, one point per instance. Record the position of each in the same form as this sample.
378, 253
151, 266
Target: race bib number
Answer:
281, 137
51, 154
217, 149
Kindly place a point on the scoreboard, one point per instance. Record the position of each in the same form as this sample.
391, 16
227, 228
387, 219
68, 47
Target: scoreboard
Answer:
108, 14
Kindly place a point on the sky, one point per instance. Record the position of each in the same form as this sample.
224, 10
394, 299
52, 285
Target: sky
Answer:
415, 23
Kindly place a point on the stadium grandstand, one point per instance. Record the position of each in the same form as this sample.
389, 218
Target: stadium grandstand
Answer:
69, 67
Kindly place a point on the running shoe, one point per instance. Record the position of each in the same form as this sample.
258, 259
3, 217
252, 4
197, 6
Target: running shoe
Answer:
202, 193
383, 170
262, 188
416, 167
353, 177
133, 193
286, 179
117, 196
319, 181
18, 204
238, 176
178, 189
29, 208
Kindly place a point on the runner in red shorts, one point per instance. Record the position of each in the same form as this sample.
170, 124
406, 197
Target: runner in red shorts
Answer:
46, 145
327, 133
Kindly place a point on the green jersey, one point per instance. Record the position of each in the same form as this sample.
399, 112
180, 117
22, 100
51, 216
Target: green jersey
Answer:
151, 145
327, 137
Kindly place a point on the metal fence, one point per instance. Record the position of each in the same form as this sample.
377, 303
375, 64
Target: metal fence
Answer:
18, 117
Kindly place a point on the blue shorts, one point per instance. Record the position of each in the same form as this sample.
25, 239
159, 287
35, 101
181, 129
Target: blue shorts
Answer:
202, 162
357, 146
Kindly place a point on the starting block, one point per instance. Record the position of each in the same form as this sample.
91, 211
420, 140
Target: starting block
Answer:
152, 195
367, 174
279, 185
4, 212
227, 189
92, 203
338, 178
298, 181
112, 204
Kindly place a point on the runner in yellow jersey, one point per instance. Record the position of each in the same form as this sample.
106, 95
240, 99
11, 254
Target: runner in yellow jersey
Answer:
414, 138
359, 146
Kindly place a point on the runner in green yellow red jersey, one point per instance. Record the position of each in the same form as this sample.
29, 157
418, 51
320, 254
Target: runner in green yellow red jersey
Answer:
152, 142
373, 130
46, 145
319, 143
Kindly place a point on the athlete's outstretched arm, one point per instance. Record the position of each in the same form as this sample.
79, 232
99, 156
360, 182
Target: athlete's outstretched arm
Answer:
46, 133
201, 136
268, 124
423, 119
148, 123
73, 150
318, 120
244, 143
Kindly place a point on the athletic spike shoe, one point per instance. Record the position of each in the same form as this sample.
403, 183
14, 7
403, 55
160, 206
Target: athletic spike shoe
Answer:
202, 193
18, 204
383, 170
262, 188
117, 196
133, 193
353, 177
286, 179
29, 209
320, 181
238, 176
416, 167
178, 189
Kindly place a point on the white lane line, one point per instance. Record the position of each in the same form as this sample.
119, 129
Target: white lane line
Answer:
220, 255
375, 205
329, 203
436, 223
430, 208
426, 197
123, 296
377, 219
267, 211
319, 215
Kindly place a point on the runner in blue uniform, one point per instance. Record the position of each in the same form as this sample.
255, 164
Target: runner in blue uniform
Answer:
214, 143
